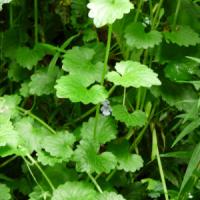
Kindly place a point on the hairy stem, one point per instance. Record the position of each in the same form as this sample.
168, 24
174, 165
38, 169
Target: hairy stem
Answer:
36, 20
176, 14
95, 183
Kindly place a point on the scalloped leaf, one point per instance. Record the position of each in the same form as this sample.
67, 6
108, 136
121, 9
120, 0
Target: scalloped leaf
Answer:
89, 160
137, 37
133, 74
59, 145
110, 196
42, 82
107, 11
137, 118
74, 191
126, 161
79, 61
75, 88
184, 36
5, 192
106, 129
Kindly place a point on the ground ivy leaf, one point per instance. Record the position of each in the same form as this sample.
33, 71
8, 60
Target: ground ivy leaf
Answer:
137, 118
88, 160
133, 74
46, 159
27, 57
78, 60
5, 192
110, 196
107, 11
42, 82
4, 2
75, 89
38, 194
184, 36
106, 129
126, 161
137, 37
59, 145
74, 191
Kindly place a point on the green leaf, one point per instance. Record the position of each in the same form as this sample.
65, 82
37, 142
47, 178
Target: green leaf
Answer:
184, 36
133, 74
74, 191
106, 129
137, 37
110, 196
5, 192
194, 59
192, 166
28, 58
4, 2
79, 61
89, 160
39, 194
107, 11
59, 145
75, 88
188, 129
42, 82
126, 161
136, 118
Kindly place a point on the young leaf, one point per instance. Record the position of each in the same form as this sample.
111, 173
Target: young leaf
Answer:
78, 61
5, 192
138, 38
126, 161
75, 88
74, 191
59, 145
39, 194
4, 2
192, 166
133, 74
110, 196
106, 129
42, 82
88, 160
137, 118
107, 11
184, 36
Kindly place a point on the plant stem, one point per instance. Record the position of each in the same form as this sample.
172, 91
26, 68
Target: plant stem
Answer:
36, 20
159, 162
124, 97
26, 112
176, 14
157, 15
11, 15
42, 171
8, 161
138, 10
95, 183
107, 53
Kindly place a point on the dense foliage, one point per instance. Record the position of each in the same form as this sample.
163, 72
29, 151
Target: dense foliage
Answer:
99, 99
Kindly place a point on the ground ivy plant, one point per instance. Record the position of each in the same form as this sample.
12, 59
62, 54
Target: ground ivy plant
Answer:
99, 100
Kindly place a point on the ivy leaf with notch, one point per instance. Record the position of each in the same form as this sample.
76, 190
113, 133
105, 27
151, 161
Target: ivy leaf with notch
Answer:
184, 36
89, 160
107, 11
126, 161
137, 118
75, 88
5, 192
138, 38
106, 129
133, 74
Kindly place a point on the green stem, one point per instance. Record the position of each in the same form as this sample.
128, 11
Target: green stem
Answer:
96, 119
26, 112
111, 175
124, 97
151, 10
42, 171
176, 14
138, 10
157, 15
95, 183
8, 161
107, 53
160, 163
36, 20
139, 94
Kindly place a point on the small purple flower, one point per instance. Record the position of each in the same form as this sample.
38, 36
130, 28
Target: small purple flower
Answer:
106, 108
